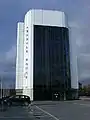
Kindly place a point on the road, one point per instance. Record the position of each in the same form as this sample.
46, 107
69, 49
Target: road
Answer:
68, 110
15, 113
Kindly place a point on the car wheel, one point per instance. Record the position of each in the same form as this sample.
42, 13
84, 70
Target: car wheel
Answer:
26, 103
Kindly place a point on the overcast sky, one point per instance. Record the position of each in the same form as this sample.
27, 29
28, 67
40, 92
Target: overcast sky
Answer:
12, 11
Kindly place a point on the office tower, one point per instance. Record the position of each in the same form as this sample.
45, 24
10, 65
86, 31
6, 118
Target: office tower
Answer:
49, 72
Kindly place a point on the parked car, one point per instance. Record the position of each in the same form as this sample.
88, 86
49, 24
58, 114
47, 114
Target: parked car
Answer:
18, 100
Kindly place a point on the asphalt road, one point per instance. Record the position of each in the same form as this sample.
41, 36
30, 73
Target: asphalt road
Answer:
14, 113
22, 113
68, 110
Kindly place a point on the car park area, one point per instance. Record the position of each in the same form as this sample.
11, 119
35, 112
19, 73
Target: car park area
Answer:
48, 110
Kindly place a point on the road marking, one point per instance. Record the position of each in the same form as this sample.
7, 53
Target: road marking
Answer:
47, 113
88, 105
75, 103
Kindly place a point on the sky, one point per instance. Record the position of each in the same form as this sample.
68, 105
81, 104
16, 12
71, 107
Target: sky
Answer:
12, 11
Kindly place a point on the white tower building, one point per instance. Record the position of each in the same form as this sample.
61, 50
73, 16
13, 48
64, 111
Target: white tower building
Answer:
20, 56
46, 21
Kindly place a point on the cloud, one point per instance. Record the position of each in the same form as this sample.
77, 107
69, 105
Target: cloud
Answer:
7, 62
84, 66
8, 67
11, 54
78, 17
79, 21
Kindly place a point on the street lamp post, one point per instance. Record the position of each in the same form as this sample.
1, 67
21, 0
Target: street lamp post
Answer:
1, 87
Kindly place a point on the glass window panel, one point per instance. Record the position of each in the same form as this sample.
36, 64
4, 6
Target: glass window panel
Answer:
51, 59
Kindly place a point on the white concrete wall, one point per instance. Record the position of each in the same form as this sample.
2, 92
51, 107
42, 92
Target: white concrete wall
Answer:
19, 57
28, 82
73, 62
48, 18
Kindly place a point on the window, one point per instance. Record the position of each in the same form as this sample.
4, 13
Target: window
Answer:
26, 73
16, 96
26, 63
26, 77
26, 97
26, 68
27, 43
49, 57
26, 59
26, 51
26, 30
26, 47
26, 34
22, 96
26, 38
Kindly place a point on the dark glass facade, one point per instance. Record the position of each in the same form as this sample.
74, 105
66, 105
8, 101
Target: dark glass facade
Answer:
51, 63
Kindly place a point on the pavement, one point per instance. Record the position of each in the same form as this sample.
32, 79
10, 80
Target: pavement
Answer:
49, 110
